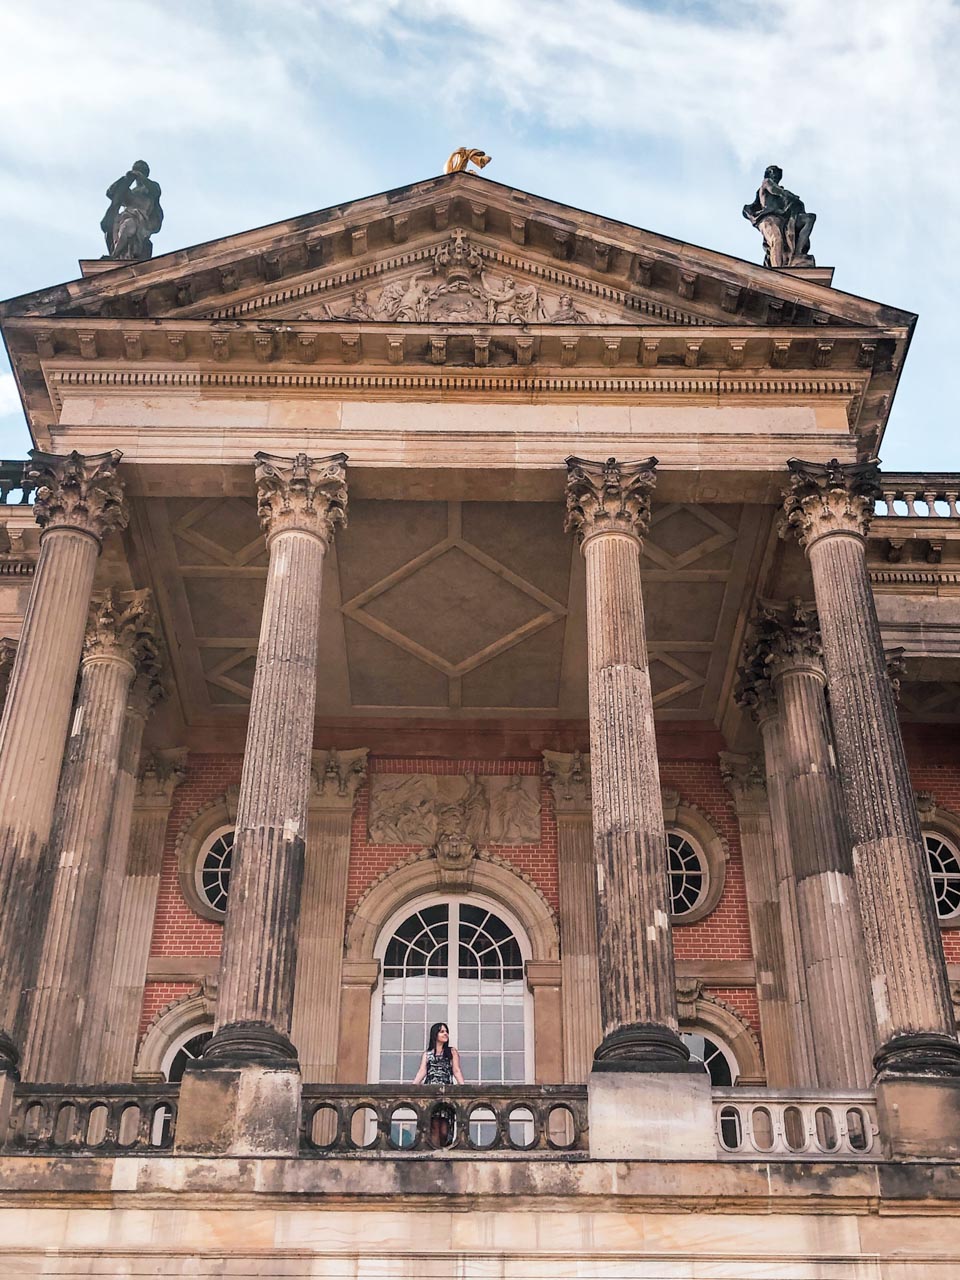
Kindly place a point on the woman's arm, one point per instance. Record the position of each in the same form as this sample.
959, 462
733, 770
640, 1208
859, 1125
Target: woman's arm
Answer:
422, 1071
457, 1073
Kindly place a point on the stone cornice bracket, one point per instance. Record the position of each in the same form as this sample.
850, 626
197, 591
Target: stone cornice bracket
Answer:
77, 492
122, 625
829, 498
609, 497
308, 495
745, 778
336, 777
159, 777
569, 779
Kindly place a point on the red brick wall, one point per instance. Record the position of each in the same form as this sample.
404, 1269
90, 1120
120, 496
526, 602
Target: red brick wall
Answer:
159, 994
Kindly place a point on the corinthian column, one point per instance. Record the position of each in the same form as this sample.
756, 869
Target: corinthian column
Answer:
608, 507
301, 500
78, 502
119, 641
788, 643
830, 508
569, 778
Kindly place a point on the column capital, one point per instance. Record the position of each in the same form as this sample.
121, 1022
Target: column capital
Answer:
77, 492
301, 493
745, 778
336, 777
827, 498
609, 497
159, 777
122, 625
781, 638
569, 779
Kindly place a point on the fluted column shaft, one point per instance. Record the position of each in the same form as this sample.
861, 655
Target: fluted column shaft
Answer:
299, 503
119, 627
608, 505
831, 507
79, 500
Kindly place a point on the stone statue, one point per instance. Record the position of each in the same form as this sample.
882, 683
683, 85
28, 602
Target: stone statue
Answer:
134, 215
782, 220
463, 156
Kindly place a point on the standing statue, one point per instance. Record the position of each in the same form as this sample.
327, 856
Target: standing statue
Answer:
134, 215
782, 220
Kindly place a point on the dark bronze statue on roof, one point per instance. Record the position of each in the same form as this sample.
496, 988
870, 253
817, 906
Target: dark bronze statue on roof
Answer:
134, 215
783, 221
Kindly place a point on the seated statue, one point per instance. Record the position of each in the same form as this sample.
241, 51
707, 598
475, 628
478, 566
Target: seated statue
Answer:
134, 215
782, 220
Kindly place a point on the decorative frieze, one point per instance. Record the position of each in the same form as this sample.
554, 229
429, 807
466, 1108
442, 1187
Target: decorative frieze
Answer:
446, 812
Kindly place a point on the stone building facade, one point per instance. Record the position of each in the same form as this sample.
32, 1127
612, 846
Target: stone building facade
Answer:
453, 606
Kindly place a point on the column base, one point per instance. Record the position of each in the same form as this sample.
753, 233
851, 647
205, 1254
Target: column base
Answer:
242, 1044
651, 1116
920, 1118
918, 1055
644, 1046
239, 1111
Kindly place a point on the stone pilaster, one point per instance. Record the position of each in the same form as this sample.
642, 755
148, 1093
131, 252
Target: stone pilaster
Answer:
120, 641
301, 500
787, 642
569, 778
8, 653
78, 502
336, 778
830, 507
608, 507
125, 922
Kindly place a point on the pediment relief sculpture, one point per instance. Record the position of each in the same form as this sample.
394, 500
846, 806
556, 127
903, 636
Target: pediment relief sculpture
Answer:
454, 813
456, 288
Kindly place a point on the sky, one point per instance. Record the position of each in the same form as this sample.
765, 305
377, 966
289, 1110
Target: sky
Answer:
661, 114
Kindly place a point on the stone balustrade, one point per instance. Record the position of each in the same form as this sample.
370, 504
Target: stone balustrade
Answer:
12, 482
919, 495
398, 1119
92, 1119
784, 1125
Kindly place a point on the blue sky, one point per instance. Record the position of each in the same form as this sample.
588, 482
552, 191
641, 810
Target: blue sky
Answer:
661, 114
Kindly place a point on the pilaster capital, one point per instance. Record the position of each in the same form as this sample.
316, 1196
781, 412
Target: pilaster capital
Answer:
609, 497
745, 778
569, 779
122, 625
828, 498
77, 492
159, 777
336, 777
301, 493
781, 638
896, 670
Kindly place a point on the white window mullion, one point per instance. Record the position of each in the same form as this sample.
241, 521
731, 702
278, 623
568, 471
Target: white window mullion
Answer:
453, 974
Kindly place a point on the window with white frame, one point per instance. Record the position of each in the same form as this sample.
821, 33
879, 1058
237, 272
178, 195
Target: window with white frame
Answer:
458, 961
213, 868
944, 863
715, 1056
184, 1050
688, 873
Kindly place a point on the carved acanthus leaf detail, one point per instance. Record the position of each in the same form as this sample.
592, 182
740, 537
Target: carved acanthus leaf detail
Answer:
159, 777
308, 494
77, 492
832, 497
608, 497
122, 624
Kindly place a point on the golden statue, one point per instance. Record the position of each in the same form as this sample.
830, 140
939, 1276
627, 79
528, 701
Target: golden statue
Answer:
464, 156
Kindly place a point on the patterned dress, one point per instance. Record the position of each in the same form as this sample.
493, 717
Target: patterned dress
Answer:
440, 1072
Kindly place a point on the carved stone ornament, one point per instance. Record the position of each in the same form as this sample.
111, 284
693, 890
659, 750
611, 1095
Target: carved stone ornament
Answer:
569, 779
458, 160
8, 654
425, 809
896, 670
609, 497
832, 497
783, 221
133, 216
122, 624
77, 492
454, 851
336, 777
308, 494
159, 777
456, 288
745, 778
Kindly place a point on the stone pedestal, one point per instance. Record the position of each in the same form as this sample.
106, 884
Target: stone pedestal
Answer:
569, 778
120, 642
919, 1118
78, 501
239, 1111
337, 777
608, 507
651, 1116
830, 507
300, 502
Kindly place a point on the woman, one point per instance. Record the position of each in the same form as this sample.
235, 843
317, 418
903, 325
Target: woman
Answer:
440, 1065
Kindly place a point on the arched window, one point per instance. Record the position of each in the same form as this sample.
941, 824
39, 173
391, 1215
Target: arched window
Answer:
944, 862
185, 1049
715, 1056
213, 869
689, 874
460, 961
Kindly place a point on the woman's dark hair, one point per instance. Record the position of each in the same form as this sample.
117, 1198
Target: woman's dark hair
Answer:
432, 1040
